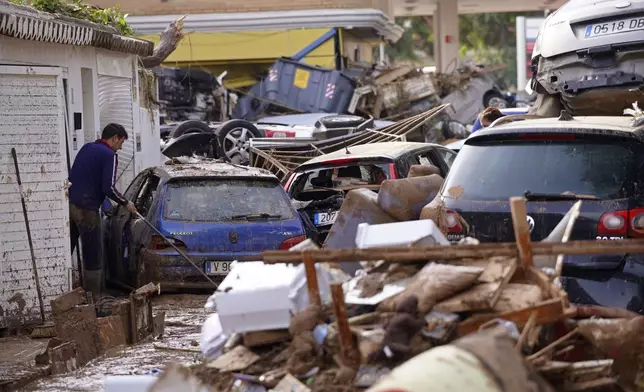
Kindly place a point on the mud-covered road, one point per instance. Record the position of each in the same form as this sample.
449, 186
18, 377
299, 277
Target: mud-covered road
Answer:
184, 316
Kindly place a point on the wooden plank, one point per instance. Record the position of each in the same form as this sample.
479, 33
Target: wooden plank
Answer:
348, 350
392, 75
312, 280
521, 230
547, 312
422, 254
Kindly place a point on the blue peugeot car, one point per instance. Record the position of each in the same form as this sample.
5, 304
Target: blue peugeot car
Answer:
213, 212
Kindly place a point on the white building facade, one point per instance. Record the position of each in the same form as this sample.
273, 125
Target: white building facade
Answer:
61, 82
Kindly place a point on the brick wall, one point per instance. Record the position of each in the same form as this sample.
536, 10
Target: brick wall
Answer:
163, 7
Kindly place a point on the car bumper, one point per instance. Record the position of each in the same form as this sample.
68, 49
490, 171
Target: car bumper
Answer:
619, 287
173, 272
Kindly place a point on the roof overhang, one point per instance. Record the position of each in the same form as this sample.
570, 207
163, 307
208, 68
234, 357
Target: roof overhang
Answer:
26, 23
428, 7
360, 19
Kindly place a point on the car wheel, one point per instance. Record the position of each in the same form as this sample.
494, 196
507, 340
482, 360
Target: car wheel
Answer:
494, 98
191, 126
341, 121
233, 140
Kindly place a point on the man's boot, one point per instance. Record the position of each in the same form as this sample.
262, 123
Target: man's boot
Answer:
93, 282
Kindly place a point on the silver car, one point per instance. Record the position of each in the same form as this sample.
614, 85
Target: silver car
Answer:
588, 48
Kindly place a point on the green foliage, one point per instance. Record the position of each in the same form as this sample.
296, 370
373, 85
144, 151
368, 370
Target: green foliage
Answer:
489, 39
418, 37
80, 10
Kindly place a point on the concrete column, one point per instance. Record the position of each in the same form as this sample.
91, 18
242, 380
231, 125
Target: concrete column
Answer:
382, 55
446, 39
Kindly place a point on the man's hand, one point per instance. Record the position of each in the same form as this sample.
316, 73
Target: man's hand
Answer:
131, 207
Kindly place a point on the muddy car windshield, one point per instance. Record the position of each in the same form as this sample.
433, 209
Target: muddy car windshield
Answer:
497, 170
344, 177
226, 200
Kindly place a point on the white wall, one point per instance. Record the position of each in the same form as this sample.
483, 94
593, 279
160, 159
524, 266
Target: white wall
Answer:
72, 59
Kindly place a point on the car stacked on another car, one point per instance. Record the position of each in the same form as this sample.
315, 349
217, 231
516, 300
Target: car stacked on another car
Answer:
321, 183
589, 54
553, 162
214, 212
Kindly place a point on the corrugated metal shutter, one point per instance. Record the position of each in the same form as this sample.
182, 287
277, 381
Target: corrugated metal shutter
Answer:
115, 106
32, 122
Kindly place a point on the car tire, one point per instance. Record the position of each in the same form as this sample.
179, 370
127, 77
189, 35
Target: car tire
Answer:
232, 136
340, 121
192, 126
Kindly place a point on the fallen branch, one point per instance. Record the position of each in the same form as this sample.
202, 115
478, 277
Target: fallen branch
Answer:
170, 38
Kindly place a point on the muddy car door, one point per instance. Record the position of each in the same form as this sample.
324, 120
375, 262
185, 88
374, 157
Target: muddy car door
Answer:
117, 220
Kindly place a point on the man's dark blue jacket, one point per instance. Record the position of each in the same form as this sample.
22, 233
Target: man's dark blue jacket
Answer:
93, 175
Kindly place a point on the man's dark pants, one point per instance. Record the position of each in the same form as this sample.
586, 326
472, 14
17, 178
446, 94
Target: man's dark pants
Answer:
86, 224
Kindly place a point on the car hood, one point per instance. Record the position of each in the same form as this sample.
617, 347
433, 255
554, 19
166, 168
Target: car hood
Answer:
563, 31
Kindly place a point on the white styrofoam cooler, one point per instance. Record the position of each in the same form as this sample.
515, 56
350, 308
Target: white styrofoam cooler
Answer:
257, 297
411, 233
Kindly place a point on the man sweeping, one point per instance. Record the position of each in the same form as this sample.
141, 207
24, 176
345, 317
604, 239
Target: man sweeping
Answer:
92, 178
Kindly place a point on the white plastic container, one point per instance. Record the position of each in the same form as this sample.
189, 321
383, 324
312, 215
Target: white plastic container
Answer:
412, 233
259, 297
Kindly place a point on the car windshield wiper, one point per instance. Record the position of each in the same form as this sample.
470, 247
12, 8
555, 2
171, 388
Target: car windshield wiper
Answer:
556, 196
262, 215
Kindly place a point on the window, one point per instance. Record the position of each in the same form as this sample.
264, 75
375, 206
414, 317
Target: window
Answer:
226, 200
345, 177
146, 195
448, 156
497, 170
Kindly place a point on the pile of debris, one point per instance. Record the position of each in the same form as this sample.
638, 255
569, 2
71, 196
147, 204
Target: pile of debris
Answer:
413, 311
84, 329
283, 159
406, 91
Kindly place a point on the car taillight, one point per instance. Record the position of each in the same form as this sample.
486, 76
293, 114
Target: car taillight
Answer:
290, 181
158, 243
291, 242
547, 136
623, 223
392, 171
278, 133
453, 221
340, 160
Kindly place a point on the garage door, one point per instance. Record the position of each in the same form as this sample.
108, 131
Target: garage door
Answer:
115, 106
32, 122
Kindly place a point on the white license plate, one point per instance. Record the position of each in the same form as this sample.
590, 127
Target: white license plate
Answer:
615, 27
325, 218
218, 267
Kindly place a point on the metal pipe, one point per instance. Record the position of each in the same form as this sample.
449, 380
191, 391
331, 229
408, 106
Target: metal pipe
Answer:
31, 244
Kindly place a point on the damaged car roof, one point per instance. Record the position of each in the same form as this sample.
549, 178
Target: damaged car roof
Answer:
390, 150
203, 169
623, 125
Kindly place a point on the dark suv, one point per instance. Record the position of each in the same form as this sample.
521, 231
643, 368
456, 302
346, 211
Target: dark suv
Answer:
553, 163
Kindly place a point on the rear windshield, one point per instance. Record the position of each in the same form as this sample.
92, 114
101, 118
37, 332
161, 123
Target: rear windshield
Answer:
502, 169
226, 200
313, 183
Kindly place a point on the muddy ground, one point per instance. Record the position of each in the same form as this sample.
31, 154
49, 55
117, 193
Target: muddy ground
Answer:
184, 316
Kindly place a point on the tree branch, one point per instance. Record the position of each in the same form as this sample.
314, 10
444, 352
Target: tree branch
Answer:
170, 38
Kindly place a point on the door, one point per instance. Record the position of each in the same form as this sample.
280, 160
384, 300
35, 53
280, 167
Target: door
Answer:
32, 121
118, 221
115, 106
